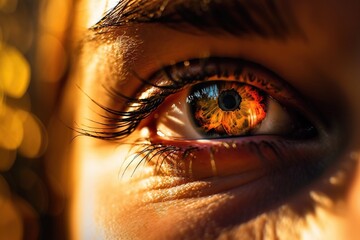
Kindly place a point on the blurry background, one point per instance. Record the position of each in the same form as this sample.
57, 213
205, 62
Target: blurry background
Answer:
33, 66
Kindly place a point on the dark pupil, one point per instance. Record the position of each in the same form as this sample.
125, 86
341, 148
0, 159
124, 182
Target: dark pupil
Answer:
229, 100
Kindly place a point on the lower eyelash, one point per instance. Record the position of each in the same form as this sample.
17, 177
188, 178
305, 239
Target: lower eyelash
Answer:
170, 160
155, 155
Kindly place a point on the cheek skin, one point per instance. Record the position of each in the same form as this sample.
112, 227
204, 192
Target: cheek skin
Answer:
98, 192
108, 206
108, 209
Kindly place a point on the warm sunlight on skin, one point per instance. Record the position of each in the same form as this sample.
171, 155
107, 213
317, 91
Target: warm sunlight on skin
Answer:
227, 188
93, 10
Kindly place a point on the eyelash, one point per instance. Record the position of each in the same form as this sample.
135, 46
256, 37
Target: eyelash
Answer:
145, 153
123, 122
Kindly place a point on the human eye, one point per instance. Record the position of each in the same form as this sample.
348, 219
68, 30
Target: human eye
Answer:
216, 117
229, 98
221, 117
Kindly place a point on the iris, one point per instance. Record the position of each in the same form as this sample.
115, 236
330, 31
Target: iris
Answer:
226, 108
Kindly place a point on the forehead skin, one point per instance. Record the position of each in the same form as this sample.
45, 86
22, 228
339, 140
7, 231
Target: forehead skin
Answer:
332, 46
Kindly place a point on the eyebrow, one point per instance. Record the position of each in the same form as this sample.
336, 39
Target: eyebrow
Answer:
264, 18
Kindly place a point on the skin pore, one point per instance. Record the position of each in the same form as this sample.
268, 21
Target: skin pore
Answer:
210, 187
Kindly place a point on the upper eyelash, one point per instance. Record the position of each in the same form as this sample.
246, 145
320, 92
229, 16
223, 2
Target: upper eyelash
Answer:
124, 122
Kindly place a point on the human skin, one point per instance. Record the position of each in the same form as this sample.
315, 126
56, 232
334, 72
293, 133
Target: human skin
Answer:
108, 201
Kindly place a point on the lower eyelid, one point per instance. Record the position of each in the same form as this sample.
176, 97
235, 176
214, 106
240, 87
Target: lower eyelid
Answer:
230, 157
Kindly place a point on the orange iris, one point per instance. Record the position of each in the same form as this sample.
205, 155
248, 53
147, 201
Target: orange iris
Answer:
227, 108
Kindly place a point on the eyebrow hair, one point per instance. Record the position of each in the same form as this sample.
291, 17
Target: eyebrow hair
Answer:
237, 17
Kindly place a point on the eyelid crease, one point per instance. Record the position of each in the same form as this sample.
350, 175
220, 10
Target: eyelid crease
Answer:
267, 19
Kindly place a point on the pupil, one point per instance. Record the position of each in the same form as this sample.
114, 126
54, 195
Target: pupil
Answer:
229, 100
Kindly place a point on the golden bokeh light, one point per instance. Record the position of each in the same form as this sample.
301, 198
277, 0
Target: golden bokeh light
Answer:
10, 226
18, 127
8, 6
34, 140
10, 221
14, 72
55, 25
23, 192
7, 159
2, 102
51, 66
11, 129
51, 58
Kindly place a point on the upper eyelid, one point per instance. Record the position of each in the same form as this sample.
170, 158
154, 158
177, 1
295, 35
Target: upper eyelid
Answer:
289, 96
267, 19
270, 81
